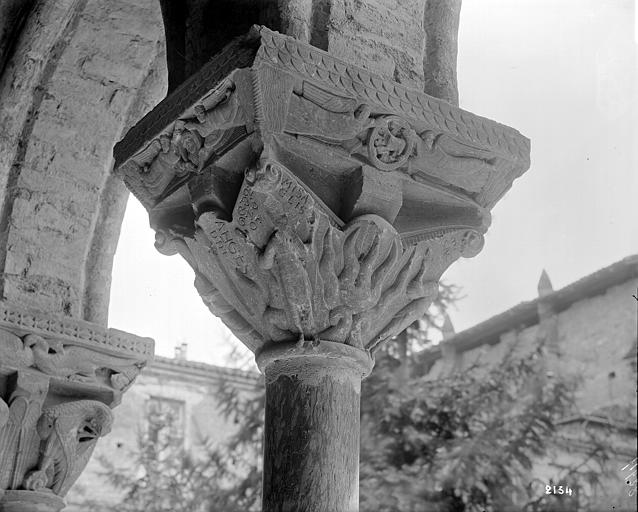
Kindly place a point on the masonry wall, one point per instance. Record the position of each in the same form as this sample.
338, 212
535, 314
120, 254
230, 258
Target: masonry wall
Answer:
81, 73
592, 337
385, 36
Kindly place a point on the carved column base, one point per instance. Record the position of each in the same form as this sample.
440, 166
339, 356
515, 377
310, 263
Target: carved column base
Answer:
311, 442
30, 501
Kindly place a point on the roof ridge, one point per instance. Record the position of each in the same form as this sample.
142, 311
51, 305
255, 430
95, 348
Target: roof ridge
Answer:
526, 312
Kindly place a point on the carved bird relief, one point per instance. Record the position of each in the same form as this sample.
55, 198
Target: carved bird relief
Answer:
285, 256
68, 434
456, 162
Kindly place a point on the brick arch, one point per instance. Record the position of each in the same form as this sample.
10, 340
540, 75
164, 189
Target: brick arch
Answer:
81, 72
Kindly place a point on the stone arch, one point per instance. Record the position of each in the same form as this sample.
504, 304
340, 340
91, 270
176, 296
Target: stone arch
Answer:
81, 72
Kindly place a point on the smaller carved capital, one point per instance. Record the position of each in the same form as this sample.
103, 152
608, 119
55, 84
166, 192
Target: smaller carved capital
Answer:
80, 367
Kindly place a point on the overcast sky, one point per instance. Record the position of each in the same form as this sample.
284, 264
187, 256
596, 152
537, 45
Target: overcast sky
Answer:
562, 72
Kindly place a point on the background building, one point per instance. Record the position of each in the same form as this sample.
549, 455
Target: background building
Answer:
588, 328
176, 392
588, 331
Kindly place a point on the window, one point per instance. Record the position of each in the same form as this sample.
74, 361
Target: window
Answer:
165, 418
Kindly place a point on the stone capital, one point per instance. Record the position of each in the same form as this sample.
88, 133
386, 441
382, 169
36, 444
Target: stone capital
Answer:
59, 379
314, 199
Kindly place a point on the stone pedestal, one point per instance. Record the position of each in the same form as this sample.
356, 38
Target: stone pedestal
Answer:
318, 205
59, 379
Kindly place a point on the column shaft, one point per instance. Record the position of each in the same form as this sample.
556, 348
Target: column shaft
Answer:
311, 441
311, 452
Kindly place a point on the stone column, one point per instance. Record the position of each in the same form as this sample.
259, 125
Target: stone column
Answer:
311, 442
59, 379
318, 205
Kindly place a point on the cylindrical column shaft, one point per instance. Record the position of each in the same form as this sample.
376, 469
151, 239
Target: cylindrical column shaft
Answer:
311, 443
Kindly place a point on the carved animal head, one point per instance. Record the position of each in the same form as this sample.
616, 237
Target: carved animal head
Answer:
41, 346
88, 418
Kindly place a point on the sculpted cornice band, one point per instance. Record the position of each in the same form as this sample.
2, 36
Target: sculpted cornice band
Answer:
281, 92
264, 46
24, 320
297, 57
72, 352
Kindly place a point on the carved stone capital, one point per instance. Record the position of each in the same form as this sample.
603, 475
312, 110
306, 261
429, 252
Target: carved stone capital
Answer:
313, 199
59, 379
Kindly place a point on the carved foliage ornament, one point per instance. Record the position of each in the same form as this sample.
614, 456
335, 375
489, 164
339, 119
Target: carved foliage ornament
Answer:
285, 268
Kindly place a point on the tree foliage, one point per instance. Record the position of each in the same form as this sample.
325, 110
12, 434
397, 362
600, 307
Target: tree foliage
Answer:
461, 443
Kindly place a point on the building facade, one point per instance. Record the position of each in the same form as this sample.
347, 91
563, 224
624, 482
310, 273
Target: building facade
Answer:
588, 331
